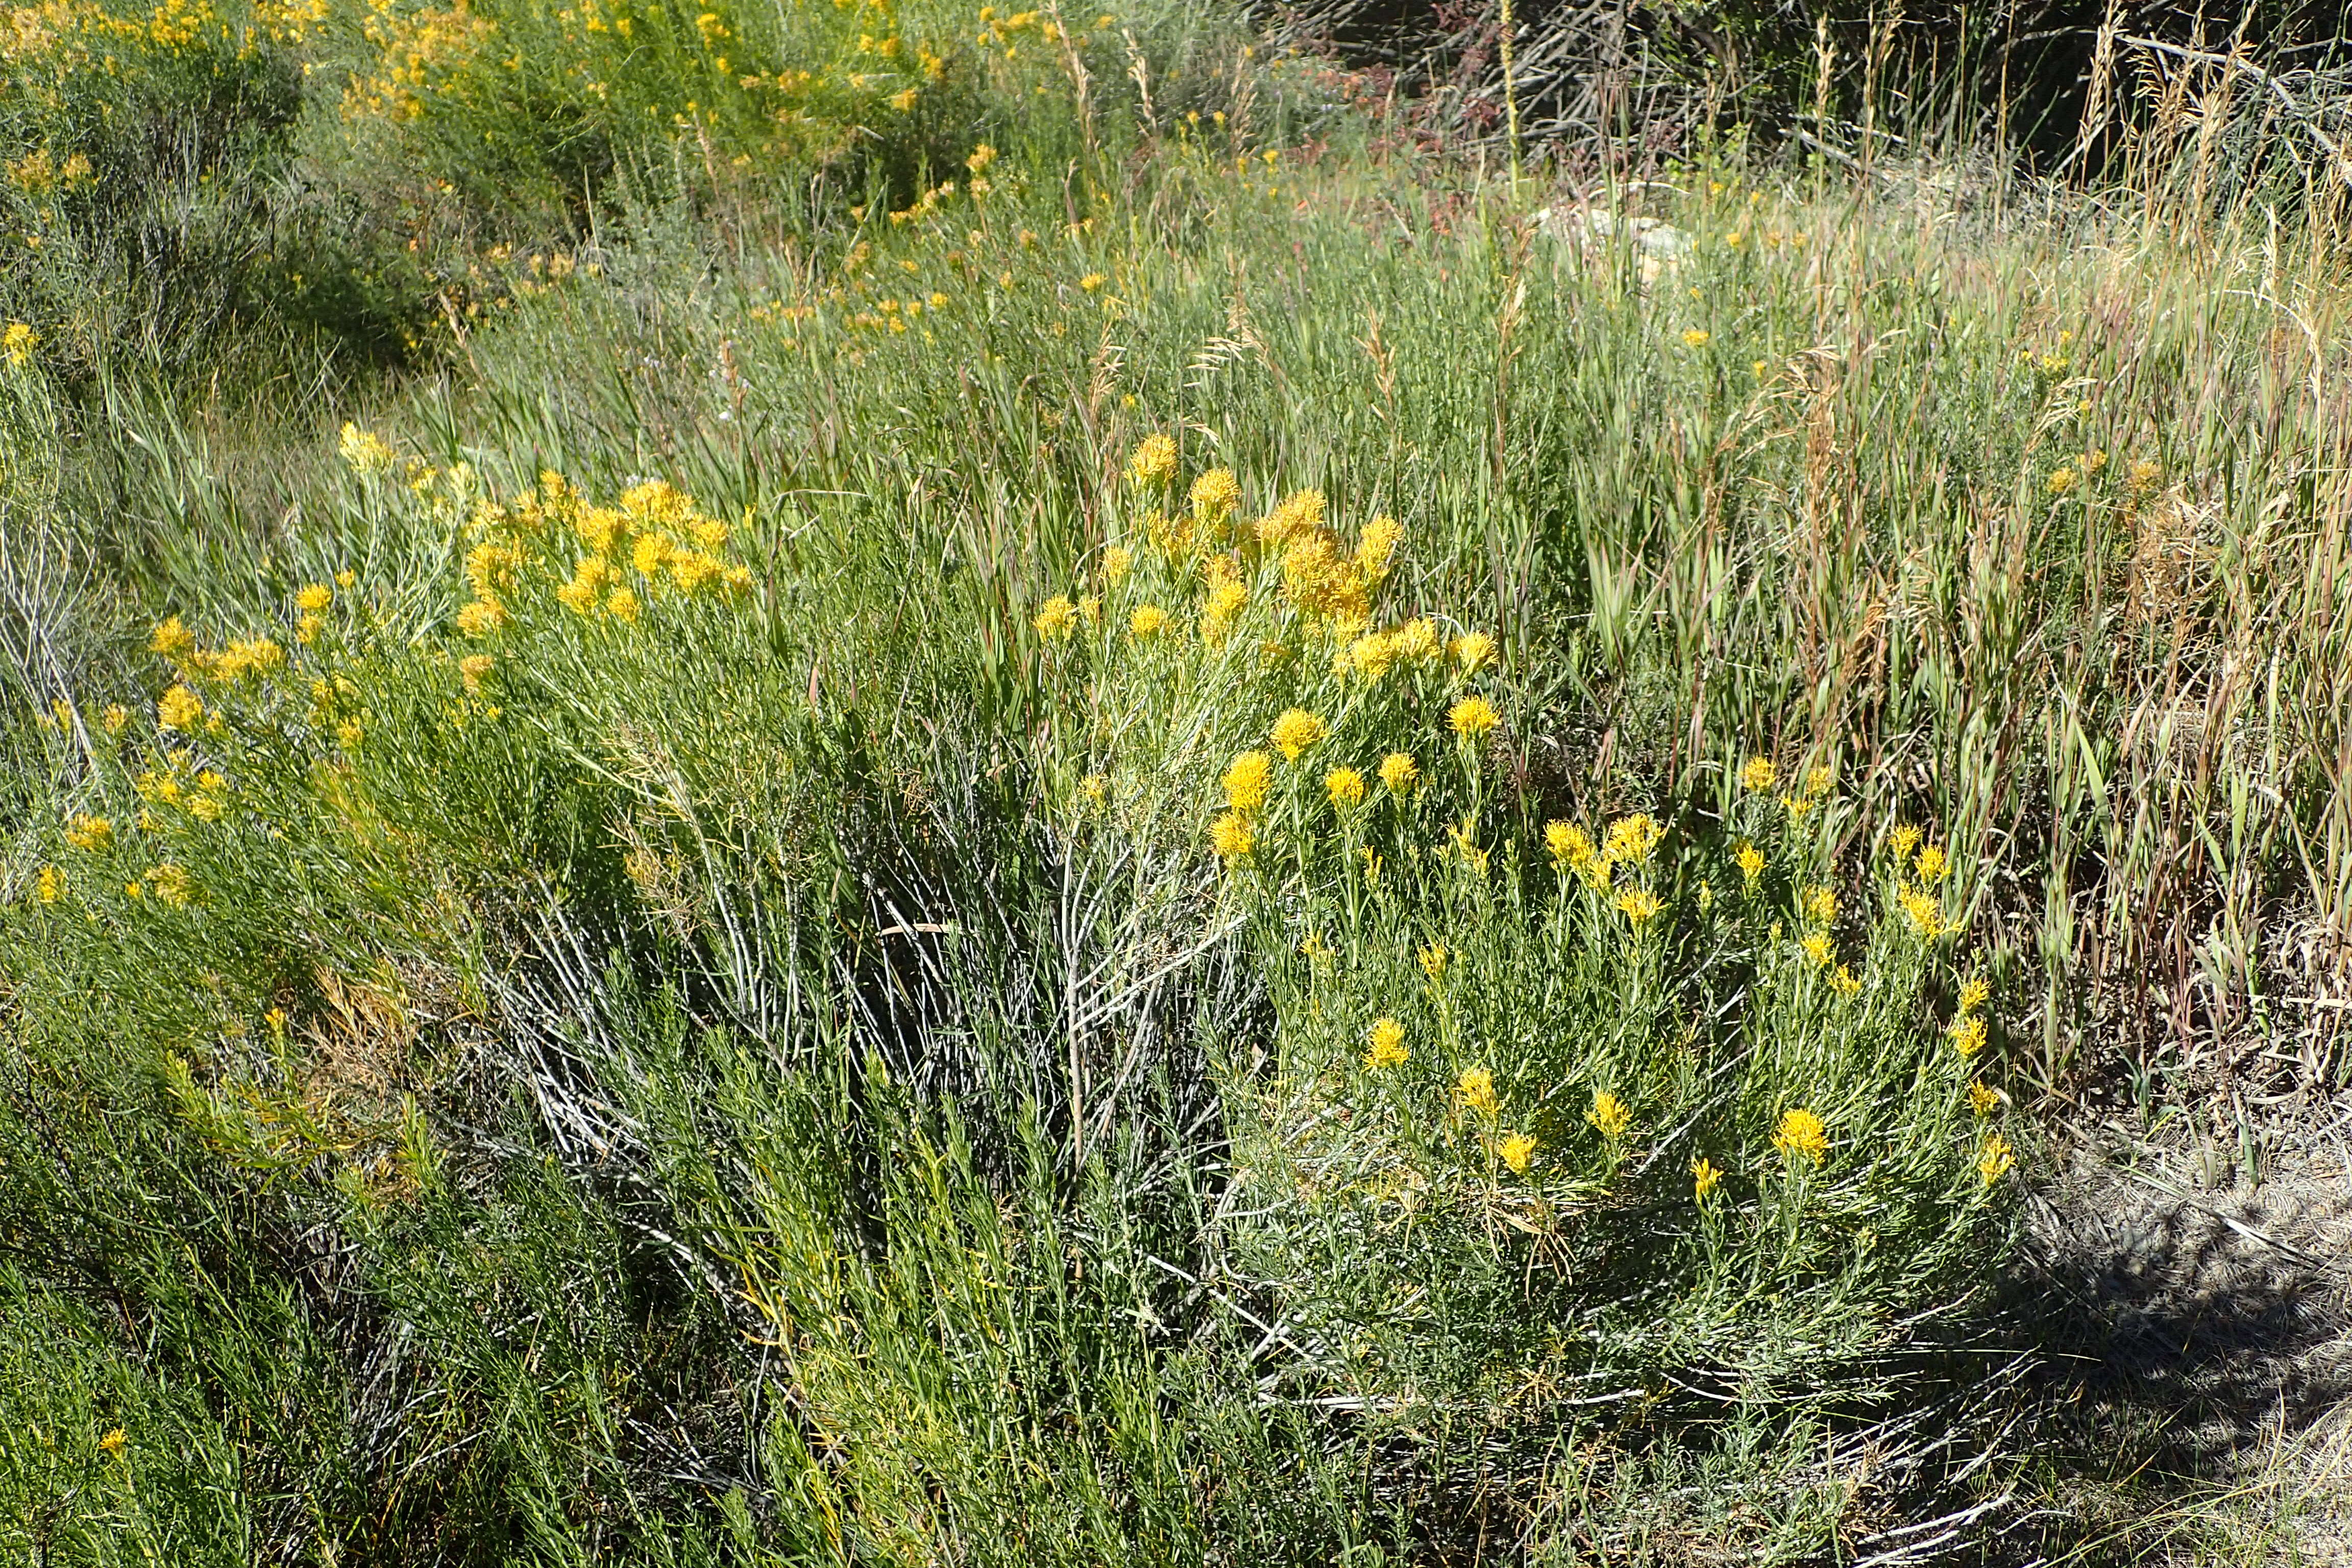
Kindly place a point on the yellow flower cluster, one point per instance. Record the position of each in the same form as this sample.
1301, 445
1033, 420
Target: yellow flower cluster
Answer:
1609, 1116
655, 542
1385, 1047
1801, 1136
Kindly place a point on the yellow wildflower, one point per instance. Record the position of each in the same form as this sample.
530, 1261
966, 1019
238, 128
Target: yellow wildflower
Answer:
173, 640
1247, 780
1968, 1035
19, 341
1630, 839
1902, 841
1996, 1159
1983, 1098
1057, 617
1092, 281
1750, 861
473, 667
1433, 960
113, 1442
1695, 337
364, 452
1214, 495
1376, 544
982, 157
1845, 983
1386, 1048
1473, 651
1224, 602
50, 886
1927, 915
2060, 480
1758, 775
1417, 640
1372, 653
1802, 1133
1400, 773
1610, 1115
90, 833
1639, 905
114, 718
1154, 461
178, 708
1797, 804
1819, 782
1472, 717
1296, 732
1933, 864
1095, 788
1973, 993
315, 597
1149, 621
1704, 1178
1345, 786
1569, 846
1231, 835
1819, 904
1816, 948
1475, 1089
1115, 563
1516, 1151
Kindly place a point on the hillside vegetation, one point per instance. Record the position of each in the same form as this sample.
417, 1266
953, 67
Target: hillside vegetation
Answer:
870, 783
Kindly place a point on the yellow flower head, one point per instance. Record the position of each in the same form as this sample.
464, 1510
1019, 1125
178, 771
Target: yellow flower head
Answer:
1926, 914
1057, 617
1630, 839
1386, 1047
1154, 462
113, 1442
1758, 775
1217, 611
1376, 545
90, 833
1372, 653
982, 157
1817, 949
1639, 905
1247, 779
1997, 1159
50, 886
1475, 1089
1695, 338
1231, 836
1704, 1178
1801, 1132
1345, 786
2060, 480
1569, 846
1400, 773
1417, 640
1473, 651
178, 708
1750, 861
1296, 732
1092, 281
173, 640
1796, 805
315, 597
170, 884
19, 341
1433, 960
1967, 1034
1933, 864
1845, 983
1902, 841
1973, 993
1516, 1151
1819, 782
1819, 904
1610, 1115
1472, 717
365, 453
1214, 495
1982, 1098
1115, 563
1149, 621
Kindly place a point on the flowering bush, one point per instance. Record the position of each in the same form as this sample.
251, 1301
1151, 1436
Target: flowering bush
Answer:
1557, 1103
